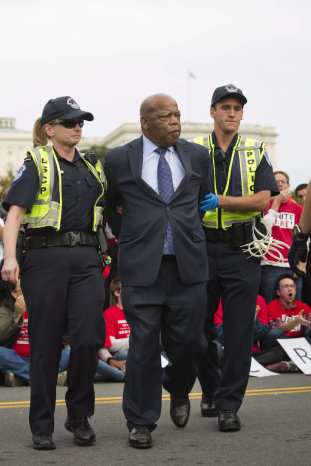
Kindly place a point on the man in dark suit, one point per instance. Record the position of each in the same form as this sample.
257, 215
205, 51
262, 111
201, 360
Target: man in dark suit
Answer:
162, 263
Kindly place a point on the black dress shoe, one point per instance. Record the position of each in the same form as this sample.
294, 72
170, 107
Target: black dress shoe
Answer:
83, 434
208, 408
228, 420
180, 410
140, 437
43, 442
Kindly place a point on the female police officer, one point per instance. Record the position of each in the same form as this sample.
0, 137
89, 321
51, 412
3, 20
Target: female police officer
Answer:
59, 197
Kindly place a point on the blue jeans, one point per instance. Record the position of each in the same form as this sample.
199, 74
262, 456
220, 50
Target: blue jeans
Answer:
106, 373
269, 275
275, 333
10, 361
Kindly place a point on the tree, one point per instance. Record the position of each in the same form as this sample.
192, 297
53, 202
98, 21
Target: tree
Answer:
5, 182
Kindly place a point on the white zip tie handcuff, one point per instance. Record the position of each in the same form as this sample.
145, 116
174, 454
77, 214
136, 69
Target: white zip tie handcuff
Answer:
265, 243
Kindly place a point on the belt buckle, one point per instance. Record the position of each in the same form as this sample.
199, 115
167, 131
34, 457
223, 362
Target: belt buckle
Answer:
74, 238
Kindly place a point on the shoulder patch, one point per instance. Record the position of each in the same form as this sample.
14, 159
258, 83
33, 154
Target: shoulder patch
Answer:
20, 172
28, 158
267, 158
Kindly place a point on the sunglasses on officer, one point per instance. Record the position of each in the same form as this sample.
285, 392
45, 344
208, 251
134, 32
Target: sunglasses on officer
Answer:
70, 123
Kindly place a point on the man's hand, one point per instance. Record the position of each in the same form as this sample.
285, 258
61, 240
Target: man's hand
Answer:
283, 196
10, 270
301, 320
121, 365
108, 233
298, 252
20, 305
210, 201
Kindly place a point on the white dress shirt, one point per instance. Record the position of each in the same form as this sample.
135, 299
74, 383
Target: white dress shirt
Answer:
150, 165
150, 170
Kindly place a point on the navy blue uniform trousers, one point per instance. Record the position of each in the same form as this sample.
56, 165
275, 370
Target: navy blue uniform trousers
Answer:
176, 311
64, 293
235, 277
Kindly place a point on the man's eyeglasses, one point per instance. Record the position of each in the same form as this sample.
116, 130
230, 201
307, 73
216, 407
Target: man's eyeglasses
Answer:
69, 123
292, 285
281, 182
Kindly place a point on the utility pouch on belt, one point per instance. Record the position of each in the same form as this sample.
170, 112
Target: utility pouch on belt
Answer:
237, 235
248, 232
102, 245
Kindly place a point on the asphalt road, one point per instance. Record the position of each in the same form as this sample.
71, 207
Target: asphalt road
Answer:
275, 430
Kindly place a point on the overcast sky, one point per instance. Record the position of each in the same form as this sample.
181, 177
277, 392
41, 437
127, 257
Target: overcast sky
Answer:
110, 55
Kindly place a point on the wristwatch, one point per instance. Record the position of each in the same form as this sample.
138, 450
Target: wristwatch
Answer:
298, 235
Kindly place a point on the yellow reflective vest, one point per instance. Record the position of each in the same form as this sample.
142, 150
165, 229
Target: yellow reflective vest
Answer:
46, 210
246, 157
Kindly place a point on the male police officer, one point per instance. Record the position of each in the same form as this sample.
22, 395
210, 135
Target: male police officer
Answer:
240, 182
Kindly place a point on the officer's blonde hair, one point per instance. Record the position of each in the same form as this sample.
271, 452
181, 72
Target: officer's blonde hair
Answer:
39, 136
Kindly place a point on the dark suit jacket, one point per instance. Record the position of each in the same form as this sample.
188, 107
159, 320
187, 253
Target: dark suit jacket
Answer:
145, 215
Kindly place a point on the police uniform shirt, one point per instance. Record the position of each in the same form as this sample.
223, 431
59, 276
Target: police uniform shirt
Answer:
264, 179
80, 190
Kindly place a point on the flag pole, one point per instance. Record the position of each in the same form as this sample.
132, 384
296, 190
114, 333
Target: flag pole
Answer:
188, 98
190, 76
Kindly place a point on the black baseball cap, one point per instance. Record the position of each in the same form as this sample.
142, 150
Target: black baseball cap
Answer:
65, 108
230, 90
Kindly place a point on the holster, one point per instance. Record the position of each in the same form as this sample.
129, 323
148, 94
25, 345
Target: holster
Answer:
20, 248
238, 235
102, 245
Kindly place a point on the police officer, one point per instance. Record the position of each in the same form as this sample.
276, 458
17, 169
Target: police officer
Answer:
240, 185
58, 196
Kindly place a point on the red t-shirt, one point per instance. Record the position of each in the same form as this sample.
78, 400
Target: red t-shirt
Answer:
262, 316
289, 214
278, 314
117, 325
21, 346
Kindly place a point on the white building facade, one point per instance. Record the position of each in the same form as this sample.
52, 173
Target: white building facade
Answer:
14, 143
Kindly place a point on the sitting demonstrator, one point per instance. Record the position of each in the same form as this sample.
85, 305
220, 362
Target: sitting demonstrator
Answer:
12, 308
14, 360
119, 329
287, 317
114, 352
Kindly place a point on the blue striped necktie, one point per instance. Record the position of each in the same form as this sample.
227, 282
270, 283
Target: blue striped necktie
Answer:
166, 189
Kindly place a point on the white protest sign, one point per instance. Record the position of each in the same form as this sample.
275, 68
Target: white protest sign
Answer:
257, 370
299, 351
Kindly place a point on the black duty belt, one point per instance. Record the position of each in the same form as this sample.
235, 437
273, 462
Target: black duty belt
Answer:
68, 238
238, 235
214, 235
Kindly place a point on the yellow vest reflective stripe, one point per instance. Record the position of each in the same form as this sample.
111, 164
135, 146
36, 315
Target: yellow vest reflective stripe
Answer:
46, 211
250, 152
98, 172
212, 219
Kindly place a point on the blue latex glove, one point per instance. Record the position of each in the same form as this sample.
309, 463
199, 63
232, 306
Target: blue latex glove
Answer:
210, 201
